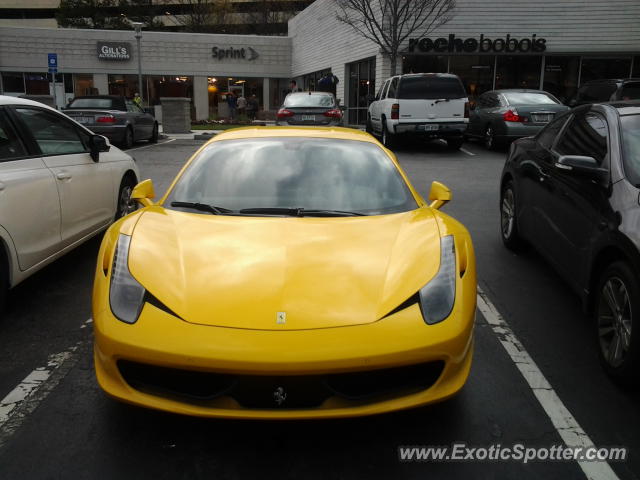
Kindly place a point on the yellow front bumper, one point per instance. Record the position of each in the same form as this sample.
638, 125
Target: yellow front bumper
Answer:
403, 339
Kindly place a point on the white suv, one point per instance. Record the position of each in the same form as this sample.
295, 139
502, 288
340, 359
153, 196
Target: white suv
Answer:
433, 105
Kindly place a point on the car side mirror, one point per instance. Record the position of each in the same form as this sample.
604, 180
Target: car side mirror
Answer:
97, 144
439, 195
143, 193
582, 165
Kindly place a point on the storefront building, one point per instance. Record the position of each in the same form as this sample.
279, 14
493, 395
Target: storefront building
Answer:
203, 67
554, 45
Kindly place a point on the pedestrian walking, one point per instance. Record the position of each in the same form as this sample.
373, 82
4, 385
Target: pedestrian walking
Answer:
252, 107
232, 102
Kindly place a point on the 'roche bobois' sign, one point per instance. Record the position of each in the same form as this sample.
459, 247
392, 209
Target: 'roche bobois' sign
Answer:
119, 51
484, 44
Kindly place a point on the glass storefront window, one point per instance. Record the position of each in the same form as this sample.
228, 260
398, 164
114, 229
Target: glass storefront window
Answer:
127, 85
476, 73
362, 85
561, 76
12, 82
83, 85
36, 83
518, 71
278, 89
424, 64
310, 80
636, 67
595, 68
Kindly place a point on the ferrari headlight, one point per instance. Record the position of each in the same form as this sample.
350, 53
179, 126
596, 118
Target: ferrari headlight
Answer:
438, 296
125, 293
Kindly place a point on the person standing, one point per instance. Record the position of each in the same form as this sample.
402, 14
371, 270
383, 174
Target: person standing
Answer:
293, 87
242, 105
232, 102
137, 99
252, 107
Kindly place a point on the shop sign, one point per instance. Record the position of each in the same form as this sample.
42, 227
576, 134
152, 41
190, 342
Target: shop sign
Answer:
452, 44
232, 53
118, 51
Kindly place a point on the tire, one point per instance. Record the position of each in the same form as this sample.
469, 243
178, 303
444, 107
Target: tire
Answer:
128, 138
125, 205
617, 308
489, 139
388, 139
154, 134
508, 218
454, 143
368, 127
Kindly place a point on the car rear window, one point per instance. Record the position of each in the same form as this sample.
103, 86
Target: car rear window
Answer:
103, 103
630, 91
597, 93
425, 87
529, 98
631, 147
309, 101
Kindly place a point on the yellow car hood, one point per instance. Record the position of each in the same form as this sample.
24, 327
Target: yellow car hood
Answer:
275, 273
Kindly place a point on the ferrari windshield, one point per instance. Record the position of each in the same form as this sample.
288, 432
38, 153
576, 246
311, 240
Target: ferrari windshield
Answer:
314, 174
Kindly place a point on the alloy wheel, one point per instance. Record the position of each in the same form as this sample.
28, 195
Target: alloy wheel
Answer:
125, 204
507, 213
614, 321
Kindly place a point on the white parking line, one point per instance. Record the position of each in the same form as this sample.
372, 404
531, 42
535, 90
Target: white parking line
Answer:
566, 425
464, 150
151, 145
25, 398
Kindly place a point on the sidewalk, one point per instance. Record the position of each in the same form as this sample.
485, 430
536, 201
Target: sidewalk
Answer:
207, 134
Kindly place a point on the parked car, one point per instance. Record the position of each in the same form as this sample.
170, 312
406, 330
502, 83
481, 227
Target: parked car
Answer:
572, 193
431, 105
342, 260
119, 119
607, 90
60, 184
310, 108
501, 116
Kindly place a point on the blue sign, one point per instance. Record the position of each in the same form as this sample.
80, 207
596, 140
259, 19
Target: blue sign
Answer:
53, 62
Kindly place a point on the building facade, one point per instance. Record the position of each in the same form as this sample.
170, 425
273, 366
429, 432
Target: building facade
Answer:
555, 45
203, 67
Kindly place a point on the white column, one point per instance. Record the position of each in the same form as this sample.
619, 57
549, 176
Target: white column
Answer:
101, 82
266, 93
201, 97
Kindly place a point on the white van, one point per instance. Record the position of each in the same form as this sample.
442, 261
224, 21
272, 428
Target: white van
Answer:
433, 105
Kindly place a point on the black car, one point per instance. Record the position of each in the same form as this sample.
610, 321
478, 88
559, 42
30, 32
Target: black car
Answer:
608, 90
573, 192
119, 119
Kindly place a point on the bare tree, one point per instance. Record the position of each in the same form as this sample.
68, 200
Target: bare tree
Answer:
389, 23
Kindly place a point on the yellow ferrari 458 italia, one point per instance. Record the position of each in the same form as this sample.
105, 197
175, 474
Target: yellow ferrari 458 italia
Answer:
286, 273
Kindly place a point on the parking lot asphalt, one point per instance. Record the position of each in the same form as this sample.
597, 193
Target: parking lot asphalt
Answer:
72, 430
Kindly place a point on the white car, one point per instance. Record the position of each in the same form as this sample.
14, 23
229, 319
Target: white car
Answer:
432, 105
60, 184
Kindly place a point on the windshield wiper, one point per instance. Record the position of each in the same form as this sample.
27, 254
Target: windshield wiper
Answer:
203, 207
298, 212
331, 213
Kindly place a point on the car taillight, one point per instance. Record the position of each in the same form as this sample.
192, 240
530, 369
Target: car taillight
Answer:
106, 119
466, 109
333, 113
512, 116
283, 112
395, 111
